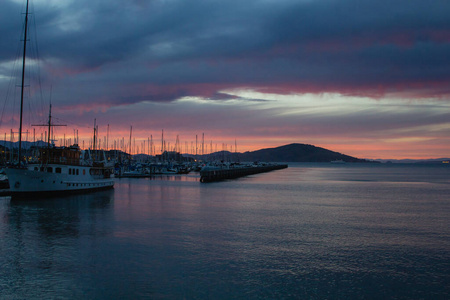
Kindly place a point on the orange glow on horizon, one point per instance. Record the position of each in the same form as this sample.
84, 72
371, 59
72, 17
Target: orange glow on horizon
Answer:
120, 140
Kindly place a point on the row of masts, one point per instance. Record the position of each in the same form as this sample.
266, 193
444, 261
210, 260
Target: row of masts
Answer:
133, 146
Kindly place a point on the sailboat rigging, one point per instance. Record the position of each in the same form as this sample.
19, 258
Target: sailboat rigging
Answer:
59, 169
23, 84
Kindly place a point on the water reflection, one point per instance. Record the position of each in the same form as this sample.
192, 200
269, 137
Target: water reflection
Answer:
58, 217
39, 240
295, 233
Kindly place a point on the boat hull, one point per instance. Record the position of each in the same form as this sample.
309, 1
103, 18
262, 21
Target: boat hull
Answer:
44, 181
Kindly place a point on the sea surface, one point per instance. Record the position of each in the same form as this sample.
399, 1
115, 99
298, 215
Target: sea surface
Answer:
312, 231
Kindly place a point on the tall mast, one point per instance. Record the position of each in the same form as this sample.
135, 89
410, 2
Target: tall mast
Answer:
93, 144
107, 139
131, 130
162, 141
49, 125
23, 83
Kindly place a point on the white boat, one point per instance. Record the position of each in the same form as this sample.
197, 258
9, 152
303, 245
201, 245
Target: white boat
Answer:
63, 169
60, 169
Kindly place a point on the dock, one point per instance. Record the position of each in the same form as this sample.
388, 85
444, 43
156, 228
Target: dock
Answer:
210, 175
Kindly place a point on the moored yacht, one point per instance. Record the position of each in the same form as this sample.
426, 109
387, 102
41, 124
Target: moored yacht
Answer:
62, 169
59, 169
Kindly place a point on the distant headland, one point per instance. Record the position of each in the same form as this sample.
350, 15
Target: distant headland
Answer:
289, 153
297, 152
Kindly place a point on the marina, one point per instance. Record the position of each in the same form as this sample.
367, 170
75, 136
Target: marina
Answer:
56, 178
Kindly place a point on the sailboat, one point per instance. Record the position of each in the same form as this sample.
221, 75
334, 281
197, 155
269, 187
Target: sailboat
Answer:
59, 169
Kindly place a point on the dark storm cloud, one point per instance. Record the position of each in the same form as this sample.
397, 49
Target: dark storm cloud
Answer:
351, 47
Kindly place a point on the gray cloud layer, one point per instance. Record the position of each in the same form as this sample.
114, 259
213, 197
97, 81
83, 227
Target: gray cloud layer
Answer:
361, 47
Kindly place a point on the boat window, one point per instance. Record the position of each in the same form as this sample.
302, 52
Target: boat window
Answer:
78, 172
50, 170
84, 172
57, 170
70, 171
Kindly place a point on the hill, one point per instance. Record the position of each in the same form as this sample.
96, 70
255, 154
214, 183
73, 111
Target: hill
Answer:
297, 153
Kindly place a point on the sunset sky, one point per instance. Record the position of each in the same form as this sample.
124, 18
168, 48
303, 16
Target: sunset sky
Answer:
369, 79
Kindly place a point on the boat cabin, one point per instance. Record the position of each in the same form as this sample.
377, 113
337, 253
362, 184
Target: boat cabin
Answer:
61, 155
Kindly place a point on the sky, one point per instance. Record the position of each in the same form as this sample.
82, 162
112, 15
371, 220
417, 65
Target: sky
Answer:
370, 79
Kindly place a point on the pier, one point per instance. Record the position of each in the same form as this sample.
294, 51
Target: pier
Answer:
210, 175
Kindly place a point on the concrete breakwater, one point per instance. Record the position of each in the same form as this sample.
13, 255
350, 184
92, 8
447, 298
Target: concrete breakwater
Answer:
210, 175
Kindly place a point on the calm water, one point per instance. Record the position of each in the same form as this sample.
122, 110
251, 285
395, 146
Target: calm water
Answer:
312, 231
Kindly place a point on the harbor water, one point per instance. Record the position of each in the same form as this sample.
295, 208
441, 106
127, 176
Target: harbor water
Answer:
311, 231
